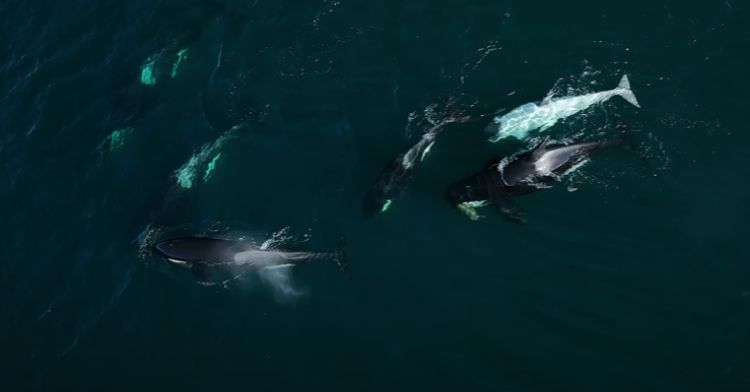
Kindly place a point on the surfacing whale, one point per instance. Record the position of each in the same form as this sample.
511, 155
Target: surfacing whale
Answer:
503, 179
204, 255
394, 178
521, 121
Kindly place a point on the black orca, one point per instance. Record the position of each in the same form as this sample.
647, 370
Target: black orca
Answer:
205, 254
394, 178
503, 179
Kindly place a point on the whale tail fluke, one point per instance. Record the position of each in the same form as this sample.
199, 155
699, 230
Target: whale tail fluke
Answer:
624, 91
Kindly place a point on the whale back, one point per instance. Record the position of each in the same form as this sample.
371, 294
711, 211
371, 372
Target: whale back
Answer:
557, 160
523, 167
196, 249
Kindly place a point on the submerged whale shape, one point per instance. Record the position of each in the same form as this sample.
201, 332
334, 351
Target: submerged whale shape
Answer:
205, 254
521, 121
502, 179
394, 178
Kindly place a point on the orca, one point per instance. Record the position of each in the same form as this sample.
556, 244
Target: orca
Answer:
207, 254
503, 179
394, 178
521, 121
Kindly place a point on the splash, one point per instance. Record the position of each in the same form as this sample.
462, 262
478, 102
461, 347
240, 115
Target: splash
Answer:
472, 62
576, 178
118, 137
277, 239
278, 278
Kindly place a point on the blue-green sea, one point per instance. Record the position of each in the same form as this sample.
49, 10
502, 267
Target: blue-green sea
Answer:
126, 122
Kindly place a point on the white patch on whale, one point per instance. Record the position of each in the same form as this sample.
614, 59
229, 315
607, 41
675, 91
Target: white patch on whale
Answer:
180, 262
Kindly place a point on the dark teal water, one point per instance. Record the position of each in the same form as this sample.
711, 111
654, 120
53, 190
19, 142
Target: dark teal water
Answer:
627, 277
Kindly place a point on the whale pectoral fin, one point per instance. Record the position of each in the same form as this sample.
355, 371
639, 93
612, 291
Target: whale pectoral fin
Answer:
539, 149
510, 210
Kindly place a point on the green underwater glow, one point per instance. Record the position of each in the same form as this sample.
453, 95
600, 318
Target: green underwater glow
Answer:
148, 77
182, 55
211, 167
386, 205
186, 174
118, 137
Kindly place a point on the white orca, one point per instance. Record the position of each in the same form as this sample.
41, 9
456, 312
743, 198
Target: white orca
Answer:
521, 121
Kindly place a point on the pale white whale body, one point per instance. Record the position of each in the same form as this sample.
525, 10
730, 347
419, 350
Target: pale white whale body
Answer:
521, 121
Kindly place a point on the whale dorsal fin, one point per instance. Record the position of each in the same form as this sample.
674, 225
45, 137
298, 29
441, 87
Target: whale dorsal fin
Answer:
539, 149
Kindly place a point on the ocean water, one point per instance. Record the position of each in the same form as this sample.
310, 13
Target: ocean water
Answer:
122, 122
